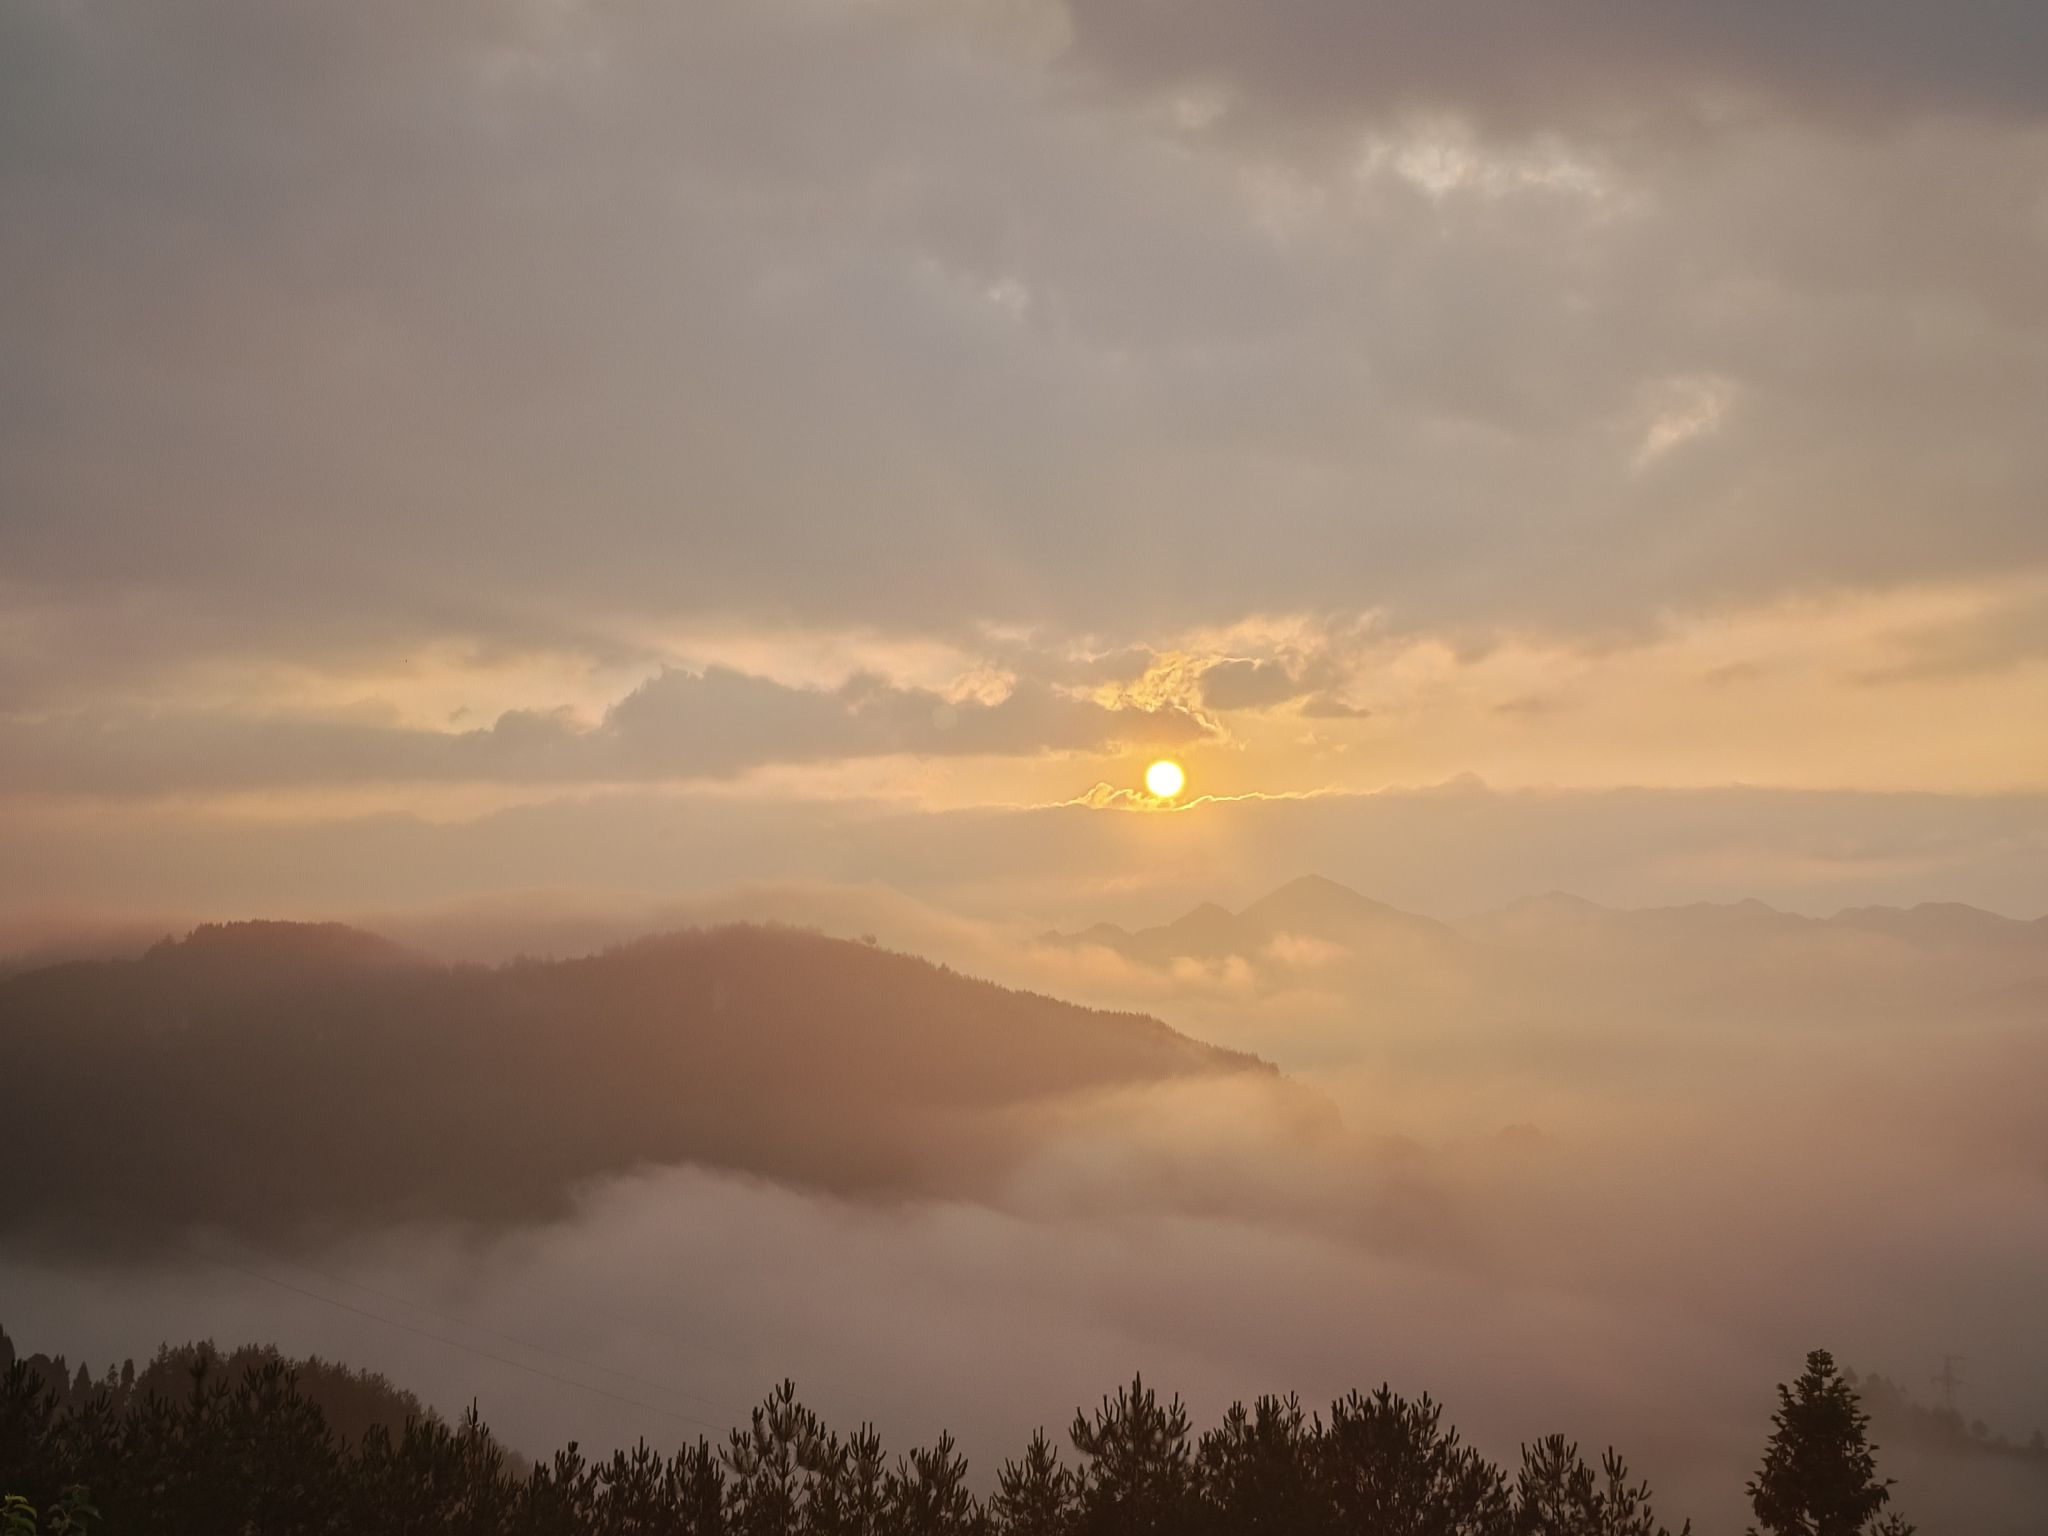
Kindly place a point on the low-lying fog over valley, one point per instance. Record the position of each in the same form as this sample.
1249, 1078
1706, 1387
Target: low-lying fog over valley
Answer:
1566, 1167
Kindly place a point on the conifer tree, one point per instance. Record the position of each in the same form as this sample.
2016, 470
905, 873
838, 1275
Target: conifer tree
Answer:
849, 1491
928, 1495
769, 1463
1557, 1494
1819, 1476
1394, 1470
697, 1492
1261, 1471
1035, 1496
1137, 1477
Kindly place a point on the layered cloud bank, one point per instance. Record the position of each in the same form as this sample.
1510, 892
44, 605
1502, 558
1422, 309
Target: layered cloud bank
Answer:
526, 319
542, 393
424, 422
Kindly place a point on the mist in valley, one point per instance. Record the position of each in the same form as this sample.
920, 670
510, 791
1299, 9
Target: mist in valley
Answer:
1567, 1168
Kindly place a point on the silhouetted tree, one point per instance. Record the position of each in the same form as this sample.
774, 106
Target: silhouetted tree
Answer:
1819, 1476
927, 1494
850, 1496
1557, 1494
1137, 1473
431, 1477
698, 1484
561, 1494
770, 1463
1035, 1496
1394, 1470
1261, 1471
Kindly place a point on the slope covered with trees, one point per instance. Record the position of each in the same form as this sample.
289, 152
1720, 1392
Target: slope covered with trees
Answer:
265, 1074
253, 1451
352, 1401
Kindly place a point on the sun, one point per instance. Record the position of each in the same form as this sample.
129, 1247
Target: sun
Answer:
1165, 779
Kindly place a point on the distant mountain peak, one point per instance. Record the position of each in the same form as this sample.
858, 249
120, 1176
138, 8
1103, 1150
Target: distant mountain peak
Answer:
1317, 904
1315, 885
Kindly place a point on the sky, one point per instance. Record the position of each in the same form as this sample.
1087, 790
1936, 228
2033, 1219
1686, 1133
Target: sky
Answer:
531, 444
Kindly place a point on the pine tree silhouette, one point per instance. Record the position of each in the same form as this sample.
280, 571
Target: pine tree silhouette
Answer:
928, 1495
1395, 1470
850, 1494
1137, 1477
1819, 1476
1035, 1496
1262, 1471
1557, 1494
770, 1463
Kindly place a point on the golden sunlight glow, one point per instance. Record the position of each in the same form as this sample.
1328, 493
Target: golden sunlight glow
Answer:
1165, 779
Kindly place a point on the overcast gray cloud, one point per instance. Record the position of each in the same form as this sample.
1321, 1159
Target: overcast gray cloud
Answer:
1072, 338
529, 320
1575, 64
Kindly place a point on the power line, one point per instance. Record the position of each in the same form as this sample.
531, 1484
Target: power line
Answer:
438, 1338
617, 1316
509, 1338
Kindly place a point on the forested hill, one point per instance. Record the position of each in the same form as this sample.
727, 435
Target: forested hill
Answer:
351, 1400
262, 1074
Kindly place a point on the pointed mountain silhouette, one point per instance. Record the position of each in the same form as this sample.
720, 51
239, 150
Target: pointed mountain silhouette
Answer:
267, 1074
1311, 907
1322, 908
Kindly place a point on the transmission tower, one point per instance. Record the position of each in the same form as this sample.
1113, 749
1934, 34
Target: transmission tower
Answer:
1948, 1381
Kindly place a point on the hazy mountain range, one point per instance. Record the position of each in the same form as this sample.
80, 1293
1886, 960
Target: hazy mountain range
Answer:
1871, 960
1316, 907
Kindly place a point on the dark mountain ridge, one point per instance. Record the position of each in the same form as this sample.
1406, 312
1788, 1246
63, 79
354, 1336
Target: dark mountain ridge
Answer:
270, 1075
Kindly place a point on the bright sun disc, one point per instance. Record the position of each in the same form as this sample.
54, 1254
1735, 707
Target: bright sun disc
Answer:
1165, 779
